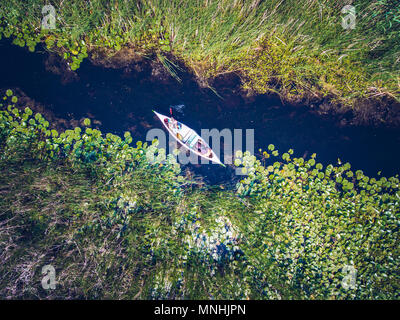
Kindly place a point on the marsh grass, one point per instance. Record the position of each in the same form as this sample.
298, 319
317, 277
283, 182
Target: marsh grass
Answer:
295, 48
116, 226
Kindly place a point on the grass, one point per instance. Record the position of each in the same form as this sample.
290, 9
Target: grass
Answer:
295, 48
46, 212
116, 226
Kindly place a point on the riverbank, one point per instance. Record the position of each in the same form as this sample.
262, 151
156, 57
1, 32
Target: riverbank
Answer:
120, 99
116, 226
297, 49
373, 111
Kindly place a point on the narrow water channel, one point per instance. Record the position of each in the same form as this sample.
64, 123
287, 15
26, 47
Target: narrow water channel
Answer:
123, 100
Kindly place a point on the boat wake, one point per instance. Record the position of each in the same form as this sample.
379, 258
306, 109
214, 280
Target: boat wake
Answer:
178, 108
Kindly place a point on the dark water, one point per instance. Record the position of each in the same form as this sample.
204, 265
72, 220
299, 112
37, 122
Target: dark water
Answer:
123, 99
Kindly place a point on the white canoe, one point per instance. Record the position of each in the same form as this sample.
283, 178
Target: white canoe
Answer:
189, 139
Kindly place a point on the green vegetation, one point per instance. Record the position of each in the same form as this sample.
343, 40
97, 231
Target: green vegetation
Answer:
120, 221
297, 48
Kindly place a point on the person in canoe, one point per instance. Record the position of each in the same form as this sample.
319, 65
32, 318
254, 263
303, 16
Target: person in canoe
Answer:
188, 138
171, 123
175, 126
203, 149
